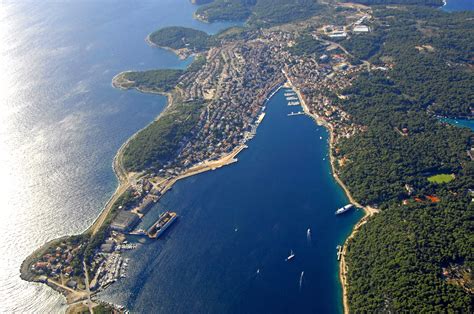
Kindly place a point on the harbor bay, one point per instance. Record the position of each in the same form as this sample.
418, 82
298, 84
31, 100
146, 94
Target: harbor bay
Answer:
237, 226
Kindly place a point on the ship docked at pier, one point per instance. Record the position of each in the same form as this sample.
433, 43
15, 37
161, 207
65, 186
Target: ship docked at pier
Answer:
163, 223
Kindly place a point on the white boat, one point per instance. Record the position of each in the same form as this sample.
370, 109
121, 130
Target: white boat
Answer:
344, 209
290, 257
301, 279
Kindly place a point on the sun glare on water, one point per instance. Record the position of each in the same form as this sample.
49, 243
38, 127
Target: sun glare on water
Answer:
8, 181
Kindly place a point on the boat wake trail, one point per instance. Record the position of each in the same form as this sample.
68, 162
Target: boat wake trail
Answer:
301, 279
308, 236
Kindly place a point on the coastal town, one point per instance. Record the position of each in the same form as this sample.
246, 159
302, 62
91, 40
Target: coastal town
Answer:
235, 82
372, 100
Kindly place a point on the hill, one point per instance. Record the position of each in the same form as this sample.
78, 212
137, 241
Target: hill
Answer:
258, 12
404, 2
177, 37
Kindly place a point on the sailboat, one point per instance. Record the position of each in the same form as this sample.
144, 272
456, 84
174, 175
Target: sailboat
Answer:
291, 256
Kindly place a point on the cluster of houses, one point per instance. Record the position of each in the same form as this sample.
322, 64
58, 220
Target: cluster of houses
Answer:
234, 82
58, 263
318, 81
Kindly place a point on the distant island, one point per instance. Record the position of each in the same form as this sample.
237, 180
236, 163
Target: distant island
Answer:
378, 78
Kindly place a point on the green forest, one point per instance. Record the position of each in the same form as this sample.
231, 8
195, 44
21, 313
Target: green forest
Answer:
177, 37
432, 53
307, 45
405, 2
226, 10
258, 12
159, 142
417, 254
157, 80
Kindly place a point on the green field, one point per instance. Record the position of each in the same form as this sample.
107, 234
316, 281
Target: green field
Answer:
441, 178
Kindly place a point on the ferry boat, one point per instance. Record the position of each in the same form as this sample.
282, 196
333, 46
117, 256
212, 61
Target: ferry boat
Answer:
160, 226
344, 209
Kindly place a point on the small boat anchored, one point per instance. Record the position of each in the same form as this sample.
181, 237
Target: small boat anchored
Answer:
290, 257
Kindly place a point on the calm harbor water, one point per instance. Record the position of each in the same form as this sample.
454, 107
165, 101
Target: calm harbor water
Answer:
247, 217
61, 123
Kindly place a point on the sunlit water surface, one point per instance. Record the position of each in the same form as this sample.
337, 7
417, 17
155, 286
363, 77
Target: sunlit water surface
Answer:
61, 122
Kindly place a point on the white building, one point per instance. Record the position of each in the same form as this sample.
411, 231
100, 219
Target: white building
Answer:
361, 29
338, 34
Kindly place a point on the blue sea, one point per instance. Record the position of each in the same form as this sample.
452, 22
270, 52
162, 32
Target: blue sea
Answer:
61, 124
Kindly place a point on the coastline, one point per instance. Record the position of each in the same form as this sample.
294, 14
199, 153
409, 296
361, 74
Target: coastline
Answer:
76, 298
125, 180
182, 54
368, 211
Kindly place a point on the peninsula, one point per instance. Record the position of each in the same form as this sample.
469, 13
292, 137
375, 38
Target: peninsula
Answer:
375, 77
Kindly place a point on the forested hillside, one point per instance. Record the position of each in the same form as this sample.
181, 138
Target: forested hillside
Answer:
417, 255
159, 142
432, 55
260, 12
409, 2
177, 37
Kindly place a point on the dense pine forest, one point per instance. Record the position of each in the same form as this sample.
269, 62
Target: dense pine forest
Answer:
417, 255
258, 12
